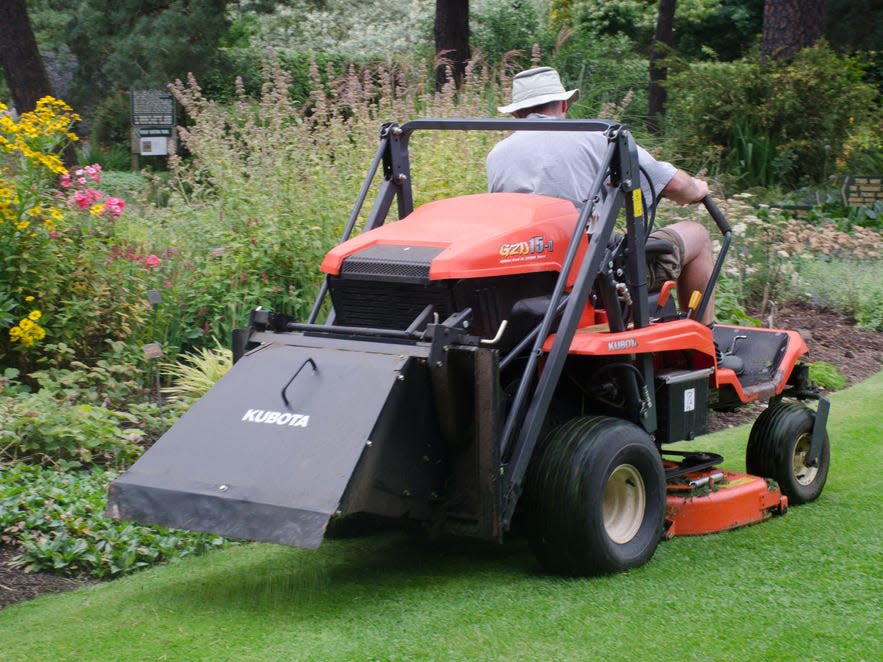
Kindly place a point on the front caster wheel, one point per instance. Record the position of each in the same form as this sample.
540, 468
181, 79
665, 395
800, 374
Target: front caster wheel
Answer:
777, 448
595, 497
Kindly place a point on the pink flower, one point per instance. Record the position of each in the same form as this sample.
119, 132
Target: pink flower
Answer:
94, 172
114, 207
151, 261
65, 180
54, 234
85, 198
82, 199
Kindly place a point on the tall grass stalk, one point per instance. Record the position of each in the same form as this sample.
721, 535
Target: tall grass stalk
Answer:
269, 185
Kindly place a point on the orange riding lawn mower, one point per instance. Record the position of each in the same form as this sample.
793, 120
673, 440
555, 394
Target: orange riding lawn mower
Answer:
491, 364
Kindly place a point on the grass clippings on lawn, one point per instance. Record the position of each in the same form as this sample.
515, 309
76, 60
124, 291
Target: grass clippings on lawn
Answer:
805, 586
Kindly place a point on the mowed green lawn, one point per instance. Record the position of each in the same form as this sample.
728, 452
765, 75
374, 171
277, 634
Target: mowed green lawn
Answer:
806, 586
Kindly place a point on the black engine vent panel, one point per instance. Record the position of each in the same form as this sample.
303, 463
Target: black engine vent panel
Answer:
404, 264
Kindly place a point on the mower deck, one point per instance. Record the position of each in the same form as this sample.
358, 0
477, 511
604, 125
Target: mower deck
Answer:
714, 499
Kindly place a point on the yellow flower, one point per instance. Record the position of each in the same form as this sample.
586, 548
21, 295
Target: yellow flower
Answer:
29, 298
14, 333
22, 225
39, 333
96, 209
34, 315
26, 324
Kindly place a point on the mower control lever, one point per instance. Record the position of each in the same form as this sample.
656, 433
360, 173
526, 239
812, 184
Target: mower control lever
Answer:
716, 214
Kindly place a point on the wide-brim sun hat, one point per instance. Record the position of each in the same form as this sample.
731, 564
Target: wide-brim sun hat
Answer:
535, 87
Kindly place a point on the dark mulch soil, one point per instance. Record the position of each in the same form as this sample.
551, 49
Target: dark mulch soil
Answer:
830, 337
17, 585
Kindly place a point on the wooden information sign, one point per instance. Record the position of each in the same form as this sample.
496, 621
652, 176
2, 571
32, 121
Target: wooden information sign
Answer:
861, 191
153, 122
152, 108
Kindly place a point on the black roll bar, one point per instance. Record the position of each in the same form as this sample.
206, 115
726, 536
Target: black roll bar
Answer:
529, 407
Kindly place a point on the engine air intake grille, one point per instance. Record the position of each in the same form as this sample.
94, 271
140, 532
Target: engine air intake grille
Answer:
391, 263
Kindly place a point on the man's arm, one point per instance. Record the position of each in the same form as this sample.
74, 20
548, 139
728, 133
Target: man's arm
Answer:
685, 189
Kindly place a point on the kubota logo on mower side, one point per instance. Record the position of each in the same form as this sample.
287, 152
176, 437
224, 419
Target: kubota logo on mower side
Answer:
522, 249
619, 345
276, 418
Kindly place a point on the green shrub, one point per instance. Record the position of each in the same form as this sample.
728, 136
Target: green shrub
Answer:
606, 70
728, 306
500, 28
58, 519
79, 415
111, 123
111, 157
826, 375
766, 123
41, 427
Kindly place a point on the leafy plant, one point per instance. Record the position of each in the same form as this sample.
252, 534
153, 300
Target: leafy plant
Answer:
43, 427
194, 374
826, 375
728, 308
809, 117
29, 216
79, 414
61, 258
58, 519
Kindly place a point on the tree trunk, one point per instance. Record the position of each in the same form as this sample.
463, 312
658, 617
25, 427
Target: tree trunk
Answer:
451, 40
665, 23
790, 25
22, 64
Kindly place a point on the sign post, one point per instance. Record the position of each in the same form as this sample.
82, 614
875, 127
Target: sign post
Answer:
153, 123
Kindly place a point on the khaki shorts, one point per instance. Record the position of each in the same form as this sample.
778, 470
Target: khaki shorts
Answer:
665, 266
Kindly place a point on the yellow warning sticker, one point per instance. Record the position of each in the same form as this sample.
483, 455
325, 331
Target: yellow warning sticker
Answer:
636, 200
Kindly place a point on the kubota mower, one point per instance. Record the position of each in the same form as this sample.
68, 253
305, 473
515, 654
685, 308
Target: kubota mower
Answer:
488, 356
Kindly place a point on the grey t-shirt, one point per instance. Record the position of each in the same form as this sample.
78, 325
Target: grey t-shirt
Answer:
562, 164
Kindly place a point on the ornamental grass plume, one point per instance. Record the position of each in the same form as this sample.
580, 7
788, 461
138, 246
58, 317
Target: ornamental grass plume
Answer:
270, 182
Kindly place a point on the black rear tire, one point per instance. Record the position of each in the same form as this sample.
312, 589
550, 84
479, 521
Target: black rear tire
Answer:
595, 497
777, 446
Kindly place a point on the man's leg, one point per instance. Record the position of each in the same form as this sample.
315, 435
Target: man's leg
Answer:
698, 265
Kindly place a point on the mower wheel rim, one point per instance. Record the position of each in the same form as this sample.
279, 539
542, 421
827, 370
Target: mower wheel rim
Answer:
803, 474
625, 501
